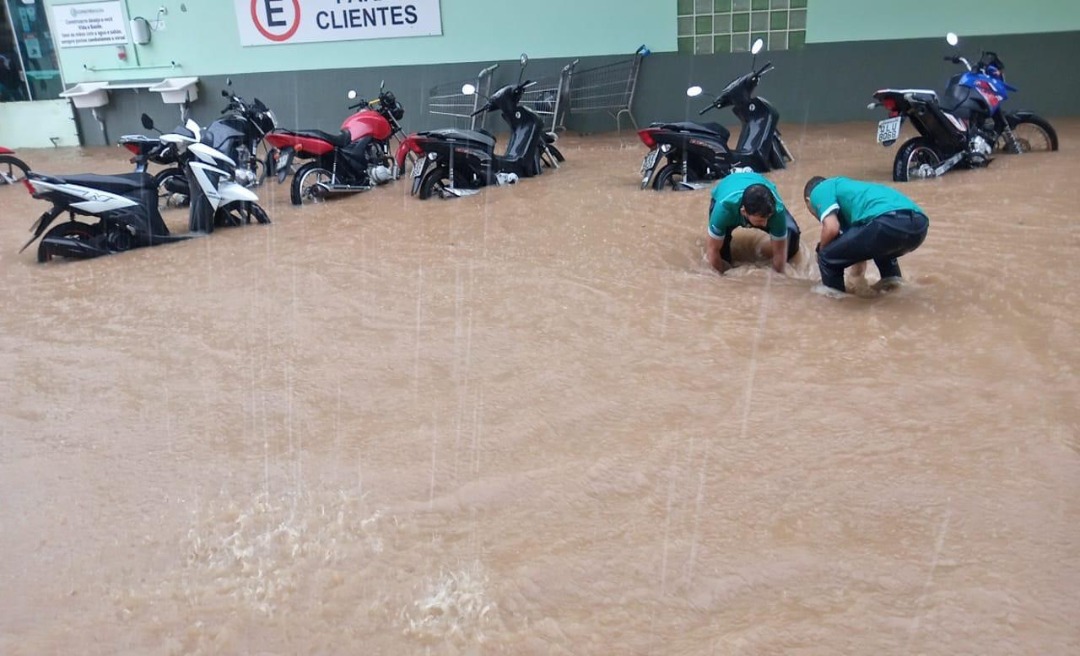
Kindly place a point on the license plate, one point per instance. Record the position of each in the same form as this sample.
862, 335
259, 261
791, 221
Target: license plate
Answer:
650, 160
888, 130
418, 167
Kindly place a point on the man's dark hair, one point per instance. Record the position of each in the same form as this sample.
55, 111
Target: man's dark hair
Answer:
757, 200
810, 184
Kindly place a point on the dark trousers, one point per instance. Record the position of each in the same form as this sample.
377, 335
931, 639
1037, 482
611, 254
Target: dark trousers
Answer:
793, 235
882, 239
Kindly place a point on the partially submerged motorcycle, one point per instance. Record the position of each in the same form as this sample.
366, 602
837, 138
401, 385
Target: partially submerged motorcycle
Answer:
966, 128
237, 135
125, 206
146, 150
453, 162
696, 153
355, 159
12, 169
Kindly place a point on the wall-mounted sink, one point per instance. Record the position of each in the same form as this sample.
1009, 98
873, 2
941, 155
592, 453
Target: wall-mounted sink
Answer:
175, 90
87, 95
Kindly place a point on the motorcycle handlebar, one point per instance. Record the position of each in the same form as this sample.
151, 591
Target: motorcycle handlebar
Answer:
764, 69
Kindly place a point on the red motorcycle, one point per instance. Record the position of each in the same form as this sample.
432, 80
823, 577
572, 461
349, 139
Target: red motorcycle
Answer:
355, 159
12, 169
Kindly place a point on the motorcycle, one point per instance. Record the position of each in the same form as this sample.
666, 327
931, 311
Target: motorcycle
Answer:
965, 131
12, 169
698, 152
239, 134
452, 162
355, 159
126, 208
978, 95
146, 150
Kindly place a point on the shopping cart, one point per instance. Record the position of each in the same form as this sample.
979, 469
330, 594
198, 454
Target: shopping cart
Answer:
546, 98
607, 88
447, 99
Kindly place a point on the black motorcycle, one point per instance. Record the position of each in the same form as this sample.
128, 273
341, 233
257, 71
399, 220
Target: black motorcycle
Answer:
696, 153
237, 135
453, 162
125, 206
146, 150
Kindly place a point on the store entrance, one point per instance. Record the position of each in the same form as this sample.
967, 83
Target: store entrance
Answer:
28, 64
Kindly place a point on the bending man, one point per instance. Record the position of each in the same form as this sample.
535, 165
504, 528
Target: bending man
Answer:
748, 200
862, 221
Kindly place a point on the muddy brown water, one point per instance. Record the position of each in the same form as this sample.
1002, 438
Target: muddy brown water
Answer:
534, 422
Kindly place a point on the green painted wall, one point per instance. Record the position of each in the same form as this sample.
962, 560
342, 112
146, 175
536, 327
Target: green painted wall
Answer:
40, 124
201, 37
829, 21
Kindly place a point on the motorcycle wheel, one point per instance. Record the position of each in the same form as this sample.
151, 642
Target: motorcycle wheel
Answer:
238, 214
914, 160
71, 230
670, 177
551, 157
433, 183
165, 197
1031, 134
259, 168
304, 187
12, 170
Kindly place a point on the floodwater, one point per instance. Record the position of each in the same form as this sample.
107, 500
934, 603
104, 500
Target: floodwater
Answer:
534, 422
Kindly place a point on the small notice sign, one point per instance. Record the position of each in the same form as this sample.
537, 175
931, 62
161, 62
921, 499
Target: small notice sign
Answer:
89, 24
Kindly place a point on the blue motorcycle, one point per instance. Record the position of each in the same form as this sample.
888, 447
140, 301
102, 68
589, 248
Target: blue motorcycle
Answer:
965, 127
977, 96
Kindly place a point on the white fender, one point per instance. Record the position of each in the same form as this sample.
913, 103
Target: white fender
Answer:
230, 192
209, 155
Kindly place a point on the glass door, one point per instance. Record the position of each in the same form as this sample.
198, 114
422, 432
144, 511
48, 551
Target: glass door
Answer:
28, 64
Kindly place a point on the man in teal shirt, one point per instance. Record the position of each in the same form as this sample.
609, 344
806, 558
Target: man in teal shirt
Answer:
749, 200
862, 221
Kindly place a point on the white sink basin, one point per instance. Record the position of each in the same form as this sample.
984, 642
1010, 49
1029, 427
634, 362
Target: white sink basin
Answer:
175, 90
87, 95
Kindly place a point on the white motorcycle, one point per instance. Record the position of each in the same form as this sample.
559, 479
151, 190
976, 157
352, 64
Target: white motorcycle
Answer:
218, 200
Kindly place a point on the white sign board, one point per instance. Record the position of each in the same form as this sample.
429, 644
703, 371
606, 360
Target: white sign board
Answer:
273, 22
89, 24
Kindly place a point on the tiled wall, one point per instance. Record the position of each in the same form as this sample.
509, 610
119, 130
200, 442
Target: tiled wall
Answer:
708, 26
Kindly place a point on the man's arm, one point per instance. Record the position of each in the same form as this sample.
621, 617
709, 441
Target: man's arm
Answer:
830, 230
779, 254
714, 249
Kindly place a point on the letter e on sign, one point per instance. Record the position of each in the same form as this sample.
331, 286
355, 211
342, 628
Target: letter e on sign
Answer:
277, 20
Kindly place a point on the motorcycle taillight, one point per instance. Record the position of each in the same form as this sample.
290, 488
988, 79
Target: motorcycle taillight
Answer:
132, 147
647, 138
889, 104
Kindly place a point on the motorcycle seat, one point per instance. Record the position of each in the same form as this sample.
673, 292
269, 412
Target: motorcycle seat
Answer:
121, 183
341, 139
481, 136
691, 126
138, 138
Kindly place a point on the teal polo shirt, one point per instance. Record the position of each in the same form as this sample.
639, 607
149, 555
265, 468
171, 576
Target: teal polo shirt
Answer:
727, 197
856, 202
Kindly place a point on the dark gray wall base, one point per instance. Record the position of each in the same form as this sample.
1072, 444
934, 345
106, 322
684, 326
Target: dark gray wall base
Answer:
822, 83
